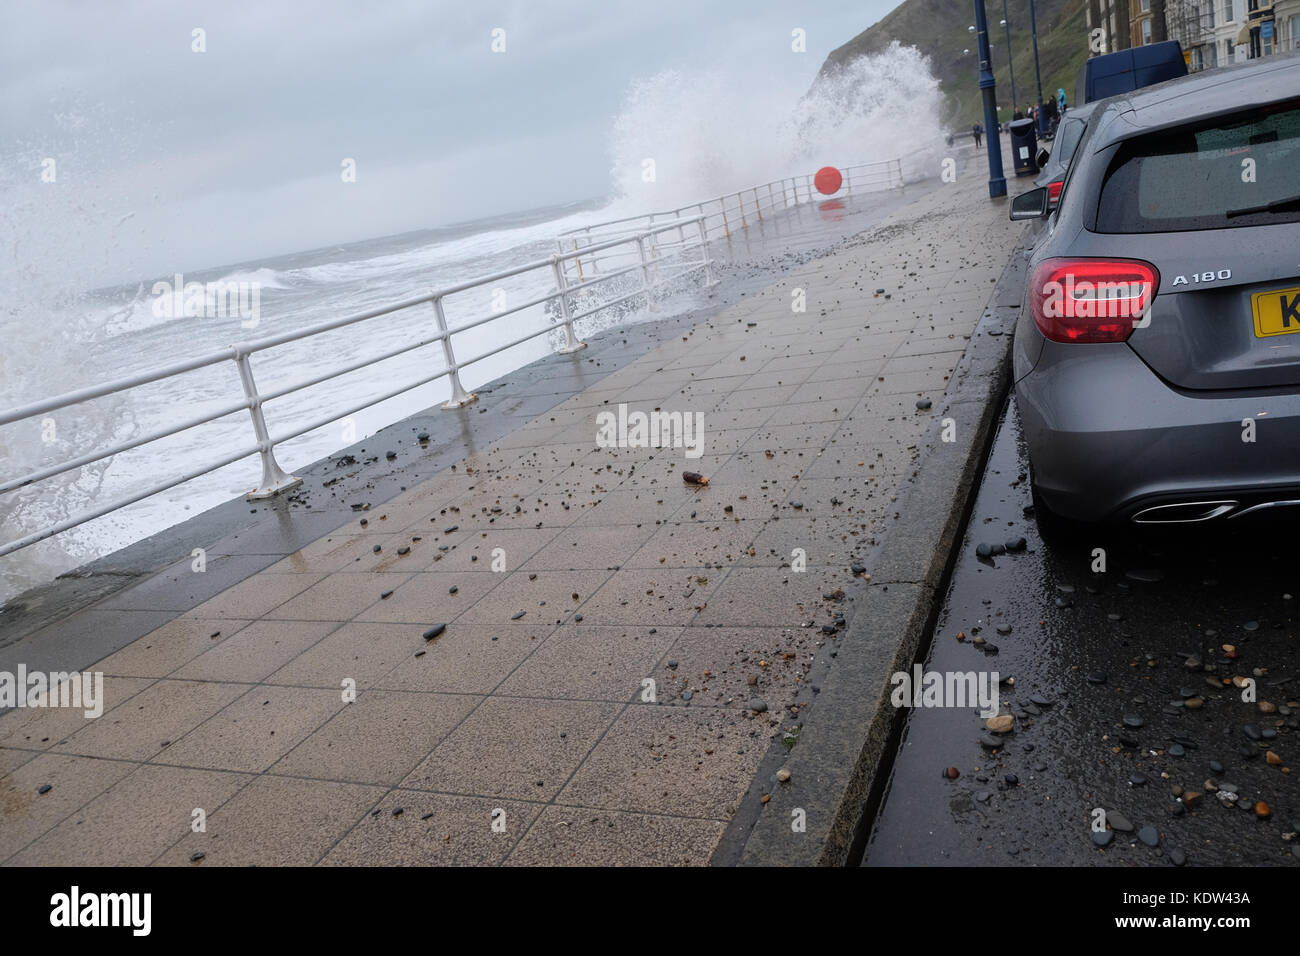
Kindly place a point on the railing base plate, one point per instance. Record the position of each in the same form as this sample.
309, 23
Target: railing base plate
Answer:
570, 349
454, 403
260, 494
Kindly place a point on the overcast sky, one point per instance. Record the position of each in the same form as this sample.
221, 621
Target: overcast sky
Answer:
166, 158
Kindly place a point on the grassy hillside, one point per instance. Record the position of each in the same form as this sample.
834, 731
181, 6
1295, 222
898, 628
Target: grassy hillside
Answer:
938, 28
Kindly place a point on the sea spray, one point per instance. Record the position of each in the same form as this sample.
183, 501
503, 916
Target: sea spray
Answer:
712, 132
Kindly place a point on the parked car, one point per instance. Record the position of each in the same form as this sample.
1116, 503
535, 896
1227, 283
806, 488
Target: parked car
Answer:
1053, 163
1157, 358
1128, 70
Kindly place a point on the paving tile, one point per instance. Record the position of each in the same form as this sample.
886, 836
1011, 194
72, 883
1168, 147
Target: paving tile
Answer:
674, 760
147, 723
548, 507
255, 731
171, 646
513, 748
541, 596
478, 551
466, 659
11, 759
336, 552
660, 597
642, 506
827, 410
255, 651
40, 728
572, 836
341, 596
589, 548
771, 597
717, 664
434, 829
257, 596
818, 391
823, 541
426, 598
696, 544
361, 652
25, 813
590, 662
134, 820
276, 821
379, 738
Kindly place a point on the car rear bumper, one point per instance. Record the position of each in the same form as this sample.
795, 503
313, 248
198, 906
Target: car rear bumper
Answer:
1108, 439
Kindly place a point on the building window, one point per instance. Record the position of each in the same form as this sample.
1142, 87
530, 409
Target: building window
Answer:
1295, 31
1146, 32
1228, 16
1229, 51
1146, 5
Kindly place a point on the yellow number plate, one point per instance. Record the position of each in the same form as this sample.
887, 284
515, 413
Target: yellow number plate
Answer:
1276, 312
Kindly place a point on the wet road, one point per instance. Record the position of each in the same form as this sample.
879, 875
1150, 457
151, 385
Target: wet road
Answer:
1122, 695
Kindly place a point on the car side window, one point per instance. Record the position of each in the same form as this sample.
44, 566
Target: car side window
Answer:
1079, 153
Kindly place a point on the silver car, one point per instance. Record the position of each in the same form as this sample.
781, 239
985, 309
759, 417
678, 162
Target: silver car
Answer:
1068, 133
1157, 356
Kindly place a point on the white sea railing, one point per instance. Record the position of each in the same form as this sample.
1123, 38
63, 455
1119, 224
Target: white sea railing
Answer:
570, 301
723, 216
634, 249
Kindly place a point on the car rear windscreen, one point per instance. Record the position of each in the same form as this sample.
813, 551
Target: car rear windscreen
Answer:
1243, 170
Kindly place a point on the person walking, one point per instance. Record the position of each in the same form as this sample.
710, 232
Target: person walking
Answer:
977, 131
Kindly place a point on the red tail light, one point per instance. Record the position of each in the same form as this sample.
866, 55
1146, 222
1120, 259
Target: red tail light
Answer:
1054, 192
1091, 300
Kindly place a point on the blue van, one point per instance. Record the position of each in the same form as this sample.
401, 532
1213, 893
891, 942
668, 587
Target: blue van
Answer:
1128, 70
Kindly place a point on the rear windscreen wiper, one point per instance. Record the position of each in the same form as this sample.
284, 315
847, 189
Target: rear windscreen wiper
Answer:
1279, 205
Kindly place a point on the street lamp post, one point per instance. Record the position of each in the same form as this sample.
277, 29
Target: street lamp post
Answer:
1038, 76
988, 87
1011, 67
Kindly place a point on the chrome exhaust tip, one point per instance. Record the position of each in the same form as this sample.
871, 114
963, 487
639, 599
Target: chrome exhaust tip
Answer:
1184, 512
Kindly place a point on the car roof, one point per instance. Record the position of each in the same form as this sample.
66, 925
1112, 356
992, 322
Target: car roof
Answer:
1081, 112
1204, 94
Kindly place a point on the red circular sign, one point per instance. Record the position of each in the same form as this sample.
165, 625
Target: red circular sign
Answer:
828, 180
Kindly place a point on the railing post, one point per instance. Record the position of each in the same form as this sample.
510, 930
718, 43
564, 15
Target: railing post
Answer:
704, 226
274, 478
459, 397
645, 275
571, 343
726, 227
744, 223
709, 280
757, 208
